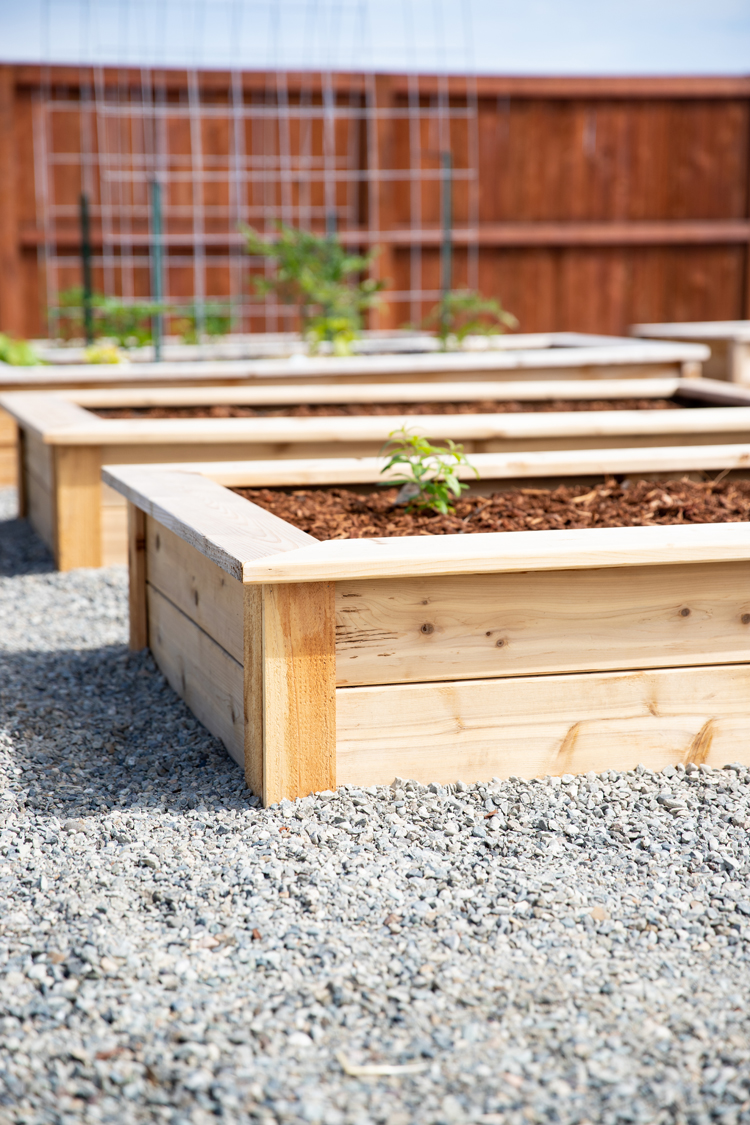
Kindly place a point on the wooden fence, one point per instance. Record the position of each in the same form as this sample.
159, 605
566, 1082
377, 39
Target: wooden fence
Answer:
584, 204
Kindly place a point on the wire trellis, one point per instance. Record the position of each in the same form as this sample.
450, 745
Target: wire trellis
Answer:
359, 154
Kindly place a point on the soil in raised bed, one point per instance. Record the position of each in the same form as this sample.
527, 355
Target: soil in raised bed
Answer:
345, 410
338, 513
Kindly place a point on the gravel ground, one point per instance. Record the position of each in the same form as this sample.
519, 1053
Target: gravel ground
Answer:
573, 950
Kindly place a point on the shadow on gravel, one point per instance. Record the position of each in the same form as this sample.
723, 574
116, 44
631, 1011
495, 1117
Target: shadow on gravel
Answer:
101, 728
22, 551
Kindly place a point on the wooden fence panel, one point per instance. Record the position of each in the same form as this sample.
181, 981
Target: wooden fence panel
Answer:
583, 204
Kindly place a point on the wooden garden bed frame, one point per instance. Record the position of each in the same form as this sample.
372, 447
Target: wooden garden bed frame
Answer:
446, 657
561, 355
729, 341
64, 444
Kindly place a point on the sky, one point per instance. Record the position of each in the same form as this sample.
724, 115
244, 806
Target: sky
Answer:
534, 37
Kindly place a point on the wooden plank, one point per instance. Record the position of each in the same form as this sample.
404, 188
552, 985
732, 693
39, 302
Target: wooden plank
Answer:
159, 439
322, 393
199, 670
533, 726
11, 294
20, 481
472, 626
699, 330
521, 87
198, 587
739, 362
299, 690
506, 552
218, 523
253, 694
567, 233
491, 467
8, 465
114, 536
40, 510
8, 429
77, 506
50, 416
137, 597
38, 459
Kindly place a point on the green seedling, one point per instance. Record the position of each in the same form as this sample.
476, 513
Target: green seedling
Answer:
429, 477
127, 323
17, 353
317, 275
213, 320
467, 313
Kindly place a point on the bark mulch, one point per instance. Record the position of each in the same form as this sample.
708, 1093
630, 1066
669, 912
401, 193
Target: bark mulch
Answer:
345, 410
338, 513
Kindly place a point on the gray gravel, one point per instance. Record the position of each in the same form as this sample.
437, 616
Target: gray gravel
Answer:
570, 951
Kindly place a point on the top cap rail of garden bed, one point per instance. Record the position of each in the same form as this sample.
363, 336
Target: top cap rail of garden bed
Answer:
696, 330
563, 354
258, 547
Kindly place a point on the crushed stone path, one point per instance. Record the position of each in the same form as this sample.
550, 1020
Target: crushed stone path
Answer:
568, 950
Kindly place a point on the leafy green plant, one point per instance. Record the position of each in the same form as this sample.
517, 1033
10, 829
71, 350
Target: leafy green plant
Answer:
214, 319
321, 278
103, 353
429, 478
17, 353
465, 313
128, 323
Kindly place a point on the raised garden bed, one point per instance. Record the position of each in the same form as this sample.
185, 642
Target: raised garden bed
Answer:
563, 355
728, 340
65, 440
449, 656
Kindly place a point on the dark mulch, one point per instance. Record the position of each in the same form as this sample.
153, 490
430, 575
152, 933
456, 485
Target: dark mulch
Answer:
337, 513
344, 410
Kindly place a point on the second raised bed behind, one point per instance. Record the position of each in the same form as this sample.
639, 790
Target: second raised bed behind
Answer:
64, 440
442, 657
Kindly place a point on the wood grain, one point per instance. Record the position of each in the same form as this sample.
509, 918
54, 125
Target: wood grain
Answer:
299, 690
137, 572
218, 523
77, 505
534, 726
471, 626
253, 698
40, 510
322, 393
198, 587
200, 671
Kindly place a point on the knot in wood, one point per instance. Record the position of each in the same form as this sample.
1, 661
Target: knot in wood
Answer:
427, 628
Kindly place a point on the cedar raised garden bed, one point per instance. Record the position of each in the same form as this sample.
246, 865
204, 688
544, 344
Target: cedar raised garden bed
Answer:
450, 656
561, 355
65, 441
728, 340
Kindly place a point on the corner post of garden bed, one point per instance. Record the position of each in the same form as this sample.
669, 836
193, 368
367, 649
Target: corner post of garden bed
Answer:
77, 506
137, 588
290, 689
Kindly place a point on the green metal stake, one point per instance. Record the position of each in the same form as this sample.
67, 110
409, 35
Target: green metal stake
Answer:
88, 312
156, 267
446, 249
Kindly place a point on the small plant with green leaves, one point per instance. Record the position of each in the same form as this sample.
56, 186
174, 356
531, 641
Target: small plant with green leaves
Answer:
213, 320
17, 353
465, 313
128, 323
429, 476
318, 275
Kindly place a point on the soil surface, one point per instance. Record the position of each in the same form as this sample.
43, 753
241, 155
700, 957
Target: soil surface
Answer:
338, 513
343, 410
